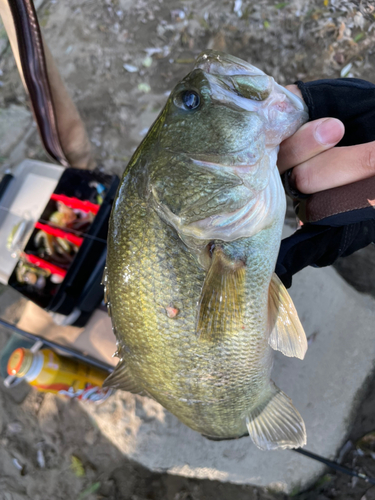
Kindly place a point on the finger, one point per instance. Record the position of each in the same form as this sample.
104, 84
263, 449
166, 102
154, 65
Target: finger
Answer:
295, 90
310, 140
335, 167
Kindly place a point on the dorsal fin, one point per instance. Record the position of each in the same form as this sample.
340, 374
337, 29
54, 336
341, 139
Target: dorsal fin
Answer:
286, 332
222, 297
275, 423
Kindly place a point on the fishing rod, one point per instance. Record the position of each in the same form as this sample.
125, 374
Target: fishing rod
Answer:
89, 359
335, 465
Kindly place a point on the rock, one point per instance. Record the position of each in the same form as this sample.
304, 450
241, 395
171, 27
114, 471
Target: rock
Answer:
14, 122
18, 393
324, 387
359, 269
370, 494
3, 38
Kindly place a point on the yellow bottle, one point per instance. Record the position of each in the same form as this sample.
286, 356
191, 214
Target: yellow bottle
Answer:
49, 372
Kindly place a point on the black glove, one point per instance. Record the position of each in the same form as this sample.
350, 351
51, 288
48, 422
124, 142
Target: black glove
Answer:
338, 221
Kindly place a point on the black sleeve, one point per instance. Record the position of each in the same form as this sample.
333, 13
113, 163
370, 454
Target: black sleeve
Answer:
320, 243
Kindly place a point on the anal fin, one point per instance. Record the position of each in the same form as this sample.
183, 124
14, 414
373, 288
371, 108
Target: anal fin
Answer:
121, 378
286, 332
276, 424
222, 296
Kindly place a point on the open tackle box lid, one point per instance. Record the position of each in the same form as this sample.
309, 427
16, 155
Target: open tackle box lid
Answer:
23, 196
28, 200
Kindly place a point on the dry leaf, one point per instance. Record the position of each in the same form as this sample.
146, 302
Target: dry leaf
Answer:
341, 31
77, 466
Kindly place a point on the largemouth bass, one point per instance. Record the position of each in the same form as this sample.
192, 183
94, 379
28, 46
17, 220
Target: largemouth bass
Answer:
193, 239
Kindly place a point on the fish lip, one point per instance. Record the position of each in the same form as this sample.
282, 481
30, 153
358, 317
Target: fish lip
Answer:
215, 161
216, 156
297, 102
235, 167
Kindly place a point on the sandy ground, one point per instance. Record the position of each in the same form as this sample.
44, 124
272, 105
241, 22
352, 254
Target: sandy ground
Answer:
120, 59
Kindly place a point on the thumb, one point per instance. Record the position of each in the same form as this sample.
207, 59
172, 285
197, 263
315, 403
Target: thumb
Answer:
310, 140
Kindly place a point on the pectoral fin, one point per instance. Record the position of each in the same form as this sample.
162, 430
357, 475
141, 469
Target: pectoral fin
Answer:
221, 301
121, 378
276, 423
286, 332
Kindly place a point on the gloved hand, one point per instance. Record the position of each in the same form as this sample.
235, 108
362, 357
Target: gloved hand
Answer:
333, 188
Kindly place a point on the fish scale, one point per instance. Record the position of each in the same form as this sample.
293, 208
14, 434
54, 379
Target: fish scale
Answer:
197, 317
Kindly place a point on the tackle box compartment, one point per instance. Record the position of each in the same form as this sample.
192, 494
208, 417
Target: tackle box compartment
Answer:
29, 198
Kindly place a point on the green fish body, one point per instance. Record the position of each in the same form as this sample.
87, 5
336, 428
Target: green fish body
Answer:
193, 239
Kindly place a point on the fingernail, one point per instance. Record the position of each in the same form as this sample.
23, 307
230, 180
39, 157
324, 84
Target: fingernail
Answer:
329, 131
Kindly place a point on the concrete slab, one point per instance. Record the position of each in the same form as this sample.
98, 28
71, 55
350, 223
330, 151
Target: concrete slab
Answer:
324, 387
16, 127
15, 122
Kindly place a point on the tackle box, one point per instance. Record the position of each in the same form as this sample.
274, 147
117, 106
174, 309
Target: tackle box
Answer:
53, 231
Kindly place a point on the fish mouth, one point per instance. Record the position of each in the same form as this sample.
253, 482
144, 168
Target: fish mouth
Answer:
221, 64
273, 112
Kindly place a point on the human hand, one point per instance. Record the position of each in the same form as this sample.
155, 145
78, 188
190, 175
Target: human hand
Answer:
316, 164
336, 222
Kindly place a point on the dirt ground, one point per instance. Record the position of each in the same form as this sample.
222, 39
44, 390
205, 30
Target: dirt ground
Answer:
120, 59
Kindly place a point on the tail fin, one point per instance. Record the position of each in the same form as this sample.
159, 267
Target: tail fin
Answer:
276, 423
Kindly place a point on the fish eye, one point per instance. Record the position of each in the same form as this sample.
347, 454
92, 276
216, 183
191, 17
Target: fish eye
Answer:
189, 99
